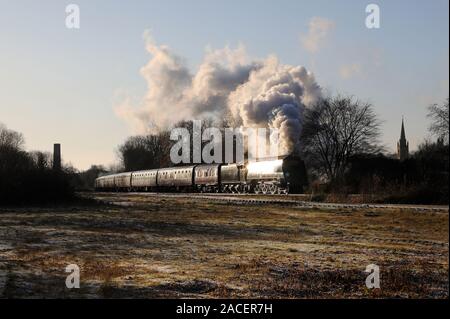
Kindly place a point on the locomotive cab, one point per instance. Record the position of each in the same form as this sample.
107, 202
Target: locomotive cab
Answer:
294, 171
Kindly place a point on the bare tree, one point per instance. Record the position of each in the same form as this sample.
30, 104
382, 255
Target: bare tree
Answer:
439, 120
27, 177
10, 138
41, 160
334, 130
145, 152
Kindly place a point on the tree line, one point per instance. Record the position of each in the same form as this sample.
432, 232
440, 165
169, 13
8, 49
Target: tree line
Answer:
340, 143
28, 177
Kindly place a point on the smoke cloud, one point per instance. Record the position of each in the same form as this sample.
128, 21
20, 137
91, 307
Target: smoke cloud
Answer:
318, 31
257, 94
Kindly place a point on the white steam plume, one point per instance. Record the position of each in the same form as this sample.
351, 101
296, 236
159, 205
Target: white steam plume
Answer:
258, 94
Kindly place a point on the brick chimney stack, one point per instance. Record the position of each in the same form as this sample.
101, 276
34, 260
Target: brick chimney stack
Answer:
57, 157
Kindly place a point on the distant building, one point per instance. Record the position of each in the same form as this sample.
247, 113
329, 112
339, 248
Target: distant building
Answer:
402, 145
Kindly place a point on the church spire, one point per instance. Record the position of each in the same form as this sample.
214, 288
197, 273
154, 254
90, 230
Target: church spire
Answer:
402, 133
402, 145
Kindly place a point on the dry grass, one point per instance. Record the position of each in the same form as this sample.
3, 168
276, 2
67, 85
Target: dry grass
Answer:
151, 247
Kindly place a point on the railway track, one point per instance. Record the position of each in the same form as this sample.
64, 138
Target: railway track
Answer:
284, 200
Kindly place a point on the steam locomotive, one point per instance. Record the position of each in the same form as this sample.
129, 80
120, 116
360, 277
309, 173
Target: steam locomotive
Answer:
282, 175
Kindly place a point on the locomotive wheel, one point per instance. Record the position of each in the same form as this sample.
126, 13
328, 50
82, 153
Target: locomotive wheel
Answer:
264, 189
260, 189
274, 189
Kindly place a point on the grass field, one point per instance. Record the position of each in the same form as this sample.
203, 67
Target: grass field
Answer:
152, 247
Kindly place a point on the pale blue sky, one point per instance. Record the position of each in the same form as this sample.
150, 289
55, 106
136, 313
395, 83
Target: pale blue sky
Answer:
59, 85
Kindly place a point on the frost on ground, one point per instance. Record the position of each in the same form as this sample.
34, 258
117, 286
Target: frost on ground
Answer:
159, 247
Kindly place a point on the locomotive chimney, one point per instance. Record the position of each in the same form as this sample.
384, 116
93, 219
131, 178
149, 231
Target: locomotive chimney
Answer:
57, 156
